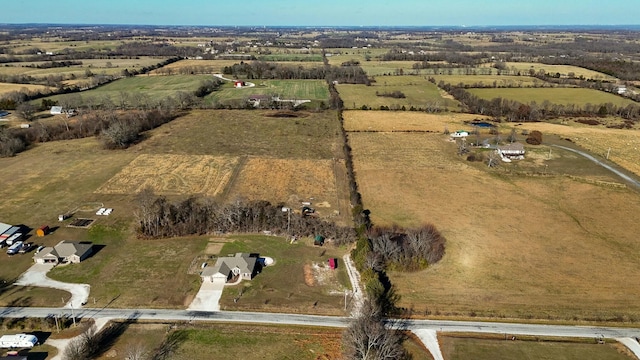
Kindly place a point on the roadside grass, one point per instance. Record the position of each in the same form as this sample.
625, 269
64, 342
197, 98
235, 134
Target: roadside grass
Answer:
282, 287
561, 96
454, 348
219, 340
249, 132
285, 89
419, 93
32, 296
518, 246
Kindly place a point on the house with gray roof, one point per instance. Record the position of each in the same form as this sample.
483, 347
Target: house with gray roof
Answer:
65, 252
242, 264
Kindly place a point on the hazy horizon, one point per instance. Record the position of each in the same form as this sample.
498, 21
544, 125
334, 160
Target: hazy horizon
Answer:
330, 13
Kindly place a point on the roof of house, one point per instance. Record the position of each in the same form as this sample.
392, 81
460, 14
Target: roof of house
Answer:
243, 261
516, 146
65, 249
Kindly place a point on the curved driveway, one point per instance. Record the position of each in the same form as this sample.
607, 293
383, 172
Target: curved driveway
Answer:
37, 276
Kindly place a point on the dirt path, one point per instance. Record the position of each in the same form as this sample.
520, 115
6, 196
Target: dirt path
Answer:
354, 277
37, 276
61, 344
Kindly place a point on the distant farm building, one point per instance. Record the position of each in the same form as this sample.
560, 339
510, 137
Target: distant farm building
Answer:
242, 265
65, 252
56, 110
512, 151
460, 134
238, 84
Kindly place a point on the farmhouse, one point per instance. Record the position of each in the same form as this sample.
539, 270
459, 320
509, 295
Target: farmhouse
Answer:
65, 252
460, 134
512, 151
241, 265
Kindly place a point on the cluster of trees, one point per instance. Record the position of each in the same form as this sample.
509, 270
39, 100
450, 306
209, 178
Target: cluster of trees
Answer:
405, 249
157, 217
351, 74
397, 94
424, 58
54, 64
207, 87
115, 130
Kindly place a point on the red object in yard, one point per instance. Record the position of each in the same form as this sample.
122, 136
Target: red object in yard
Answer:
333, 263
42, 231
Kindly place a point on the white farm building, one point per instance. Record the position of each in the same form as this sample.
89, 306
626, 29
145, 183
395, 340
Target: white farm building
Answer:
18, 341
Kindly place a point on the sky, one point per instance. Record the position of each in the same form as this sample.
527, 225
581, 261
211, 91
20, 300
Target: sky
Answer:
323, 13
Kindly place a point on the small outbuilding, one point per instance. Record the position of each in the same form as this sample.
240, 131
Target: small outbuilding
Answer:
238, 84
56, 110
42, 231
319, 240
333, 263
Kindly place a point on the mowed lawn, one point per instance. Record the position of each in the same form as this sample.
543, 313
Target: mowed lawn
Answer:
561, 96
285, 89
517, 246
454, 348
418, 92
282, 286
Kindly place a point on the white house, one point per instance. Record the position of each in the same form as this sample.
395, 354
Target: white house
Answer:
460, 134
56, 110
242, 265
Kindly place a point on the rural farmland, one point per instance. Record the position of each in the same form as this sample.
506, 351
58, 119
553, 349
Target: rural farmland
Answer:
560, 96
496, 265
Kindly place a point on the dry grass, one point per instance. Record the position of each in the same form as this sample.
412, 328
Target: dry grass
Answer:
172, 175
8, 87
564, 70
404, 121
624, 144
289, 181
517, 246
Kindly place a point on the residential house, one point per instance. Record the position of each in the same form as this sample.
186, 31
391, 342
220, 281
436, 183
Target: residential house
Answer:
65, 251
244, 265
513, 150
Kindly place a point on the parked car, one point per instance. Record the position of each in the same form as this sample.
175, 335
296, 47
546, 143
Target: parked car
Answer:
39, 248
25, 248
13, 249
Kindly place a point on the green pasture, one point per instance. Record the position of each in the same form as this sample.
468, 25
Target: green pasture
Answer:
564, 70
561, 96
418, 91
153, 87
286, 89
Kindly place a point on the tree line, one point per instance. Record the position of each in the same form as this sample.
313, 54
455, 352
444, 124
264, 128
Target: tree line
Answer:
158, 217
113, 129
516, 111
351, 74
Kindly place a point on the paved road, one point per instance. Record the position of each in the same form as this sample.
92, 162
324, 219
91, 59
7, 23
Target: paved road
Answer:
329, 321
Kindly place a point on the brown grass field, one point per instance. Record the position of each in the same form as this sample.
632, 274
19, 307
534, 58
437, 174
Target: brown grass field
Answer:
518, 246
405, 121
289, 182
8, 87
173, 175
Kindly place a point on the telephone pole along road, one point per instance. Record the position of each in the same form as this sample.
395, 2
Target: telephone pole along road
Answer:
163, 315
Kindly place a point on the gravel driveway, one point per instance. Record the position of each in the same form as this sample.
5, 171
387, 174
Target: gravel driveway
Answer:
37, 276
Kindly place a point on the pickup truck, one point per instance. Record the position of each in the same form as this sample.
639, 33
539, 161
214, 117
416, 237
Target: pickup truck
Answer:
13, 249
